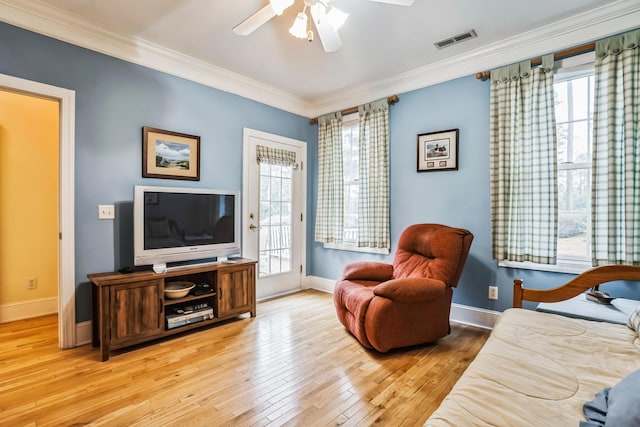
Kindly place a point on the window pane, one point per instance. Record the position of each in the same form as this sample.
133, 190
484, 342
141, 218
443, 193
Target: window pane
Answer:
276, 189
578, 88
351, 212
350, 153
350, 147
264, 182
275, 219
580, 152
574, 199
265, 211
285, 213
562, 135
285, 260
286, 189
560, 94
574, 111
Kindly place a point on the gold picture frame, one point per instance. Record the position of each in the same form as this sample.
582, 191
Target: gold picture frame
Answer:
170, 155
438, 151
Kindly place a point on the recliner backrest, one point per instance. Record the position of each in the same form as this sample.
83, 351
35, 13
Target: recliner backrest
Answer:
432, 250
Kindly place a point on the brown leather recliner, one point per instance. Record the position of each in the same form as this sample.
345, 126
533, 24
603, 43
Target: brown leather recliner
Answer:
390, 306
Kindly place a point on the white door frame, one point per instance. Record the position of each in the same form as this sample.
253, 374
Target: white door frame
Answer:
66, 267
247, 134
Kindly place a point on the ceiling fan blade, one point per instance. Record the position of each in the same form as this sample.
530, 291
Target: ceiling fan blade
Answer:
255, 21
396, 2
328, 35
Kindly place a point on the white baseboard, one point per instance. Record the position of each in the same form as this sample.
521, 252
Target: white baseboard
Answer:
318, 283
83, 333
473, 316
467, 315
28, 309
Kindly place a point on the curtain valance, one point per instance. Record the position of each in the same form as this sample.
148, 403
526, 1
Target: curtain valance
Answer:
617, 44
276, 156
521, 70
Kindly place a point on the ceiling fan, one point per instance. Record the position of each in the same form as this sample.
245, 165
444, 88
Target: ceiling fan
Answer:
327, 19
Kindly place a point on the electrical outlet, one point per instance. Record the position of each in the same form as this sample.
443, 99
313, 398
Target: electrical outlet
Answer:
106, 212
32, 282
493, 292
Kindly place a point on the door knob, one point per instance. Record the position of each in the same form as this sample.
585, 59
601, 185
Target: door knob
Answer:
253, 227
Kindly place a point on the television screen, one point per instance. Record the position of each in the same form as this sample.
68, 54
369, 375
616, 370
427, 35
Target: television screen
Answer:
187, 219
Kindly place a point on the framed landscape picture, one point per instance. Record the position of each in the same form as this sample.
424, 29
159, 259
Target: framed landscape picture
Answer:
438, 151
170, 155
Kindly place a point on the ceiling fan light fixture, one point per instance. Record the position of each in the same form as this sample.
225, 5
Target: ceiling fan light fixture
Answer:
336, 17
279, 6
299, 27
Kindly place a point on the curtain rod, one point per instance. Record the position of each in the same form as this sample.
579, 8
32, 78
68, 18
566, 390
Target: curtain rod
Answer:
391, 100
590, 47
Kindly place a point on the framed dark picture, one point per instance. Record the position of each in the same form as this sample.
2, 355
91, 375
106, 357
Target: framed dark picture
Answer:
170, 155
438, 151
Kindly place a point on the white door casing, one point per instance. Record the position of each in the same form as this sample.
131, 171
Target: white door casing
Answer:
66, 268
274, 218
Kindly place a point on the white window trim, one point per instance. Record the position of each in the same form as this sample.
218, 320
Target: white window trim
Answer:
563, 266
355, 248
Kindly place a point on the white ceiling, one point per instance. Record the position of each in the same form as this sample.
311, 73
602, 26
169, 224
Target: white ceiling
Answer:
386, 49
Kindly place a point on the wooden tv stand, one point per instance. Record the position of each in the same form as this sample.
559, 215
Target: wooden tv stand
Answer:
130, 309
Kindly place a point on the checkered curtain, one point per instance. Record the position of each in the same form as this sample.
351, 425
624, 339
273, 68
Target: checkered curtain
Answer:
330, 204
523, 163
615, 209
373, 197
276, 156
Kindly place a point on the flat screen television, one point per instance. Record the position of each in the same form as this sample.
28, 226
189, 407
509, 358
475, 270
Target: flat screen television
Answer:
173, 224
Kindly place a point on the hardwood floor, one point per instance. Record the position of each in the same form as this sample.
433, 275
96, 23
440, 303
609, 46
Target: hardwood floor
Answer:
294, 364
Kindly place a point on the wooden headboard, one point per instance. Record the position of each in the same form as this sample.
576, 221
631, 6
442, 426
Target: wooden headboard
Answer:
577, 285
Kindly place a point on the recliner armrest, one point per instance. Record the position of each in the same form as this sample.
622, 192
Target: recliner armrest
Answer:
411, 289
375, 271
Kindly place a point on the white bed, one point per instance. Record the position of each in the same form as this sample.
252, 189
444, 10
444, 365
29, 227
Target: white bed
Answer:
539, 369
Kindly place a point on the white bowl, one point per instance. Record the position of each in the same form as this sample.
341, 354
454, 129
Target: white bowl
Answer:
174, 290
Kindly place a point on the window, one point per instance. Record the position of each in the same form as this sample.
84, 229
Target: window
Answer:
574, 100
350, 152
351, 166
276, 193
574, 121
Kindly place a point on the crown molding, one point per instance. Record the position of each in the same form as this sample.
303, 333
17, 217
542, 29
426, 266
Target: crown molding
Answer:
601, 22
586, 27
53, 22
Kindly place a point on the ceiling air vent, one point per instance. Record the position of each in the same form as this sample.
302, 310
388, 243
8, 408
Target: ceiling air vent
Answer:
455, 39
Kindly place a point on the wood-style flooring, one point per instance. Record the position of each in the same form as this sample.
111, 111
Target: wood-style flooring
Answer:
294, 364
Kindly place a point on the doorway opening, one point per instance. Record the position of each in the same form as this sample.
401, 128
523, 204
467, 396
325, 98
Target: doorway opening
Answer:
66, 248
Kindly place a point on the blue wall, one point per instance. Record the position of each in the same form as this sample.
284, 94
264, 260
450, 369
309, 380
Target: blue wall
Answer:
114, 100
456, 198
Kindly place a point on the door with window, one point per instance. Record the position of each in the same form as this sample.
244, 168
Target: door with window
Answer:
273, 210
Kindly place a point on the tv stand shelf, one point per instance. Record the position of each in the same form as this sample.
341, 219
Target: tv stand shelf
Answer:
130, 309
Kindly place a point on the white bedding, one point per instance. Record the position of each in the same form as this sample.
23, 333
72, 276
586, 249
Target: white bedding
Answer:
538, 369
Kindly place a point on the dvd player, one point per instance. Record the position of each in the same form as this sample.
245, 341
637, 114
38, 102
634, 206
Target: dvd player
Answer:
189, 317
